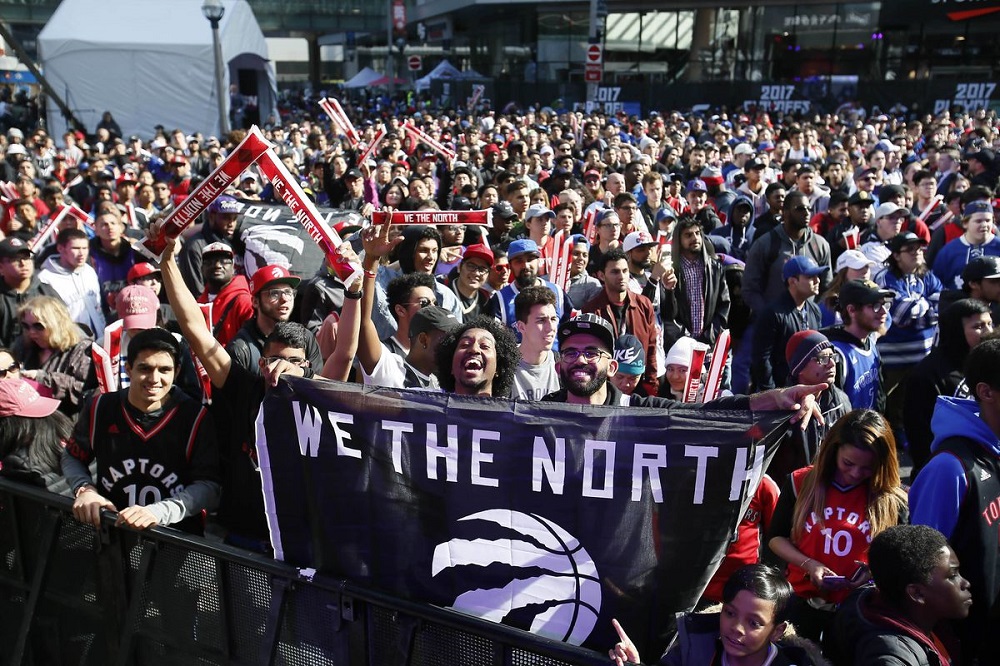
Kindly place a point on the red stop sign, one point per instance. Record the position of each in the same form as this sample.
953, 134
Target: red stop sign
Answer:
414, 63
594, 55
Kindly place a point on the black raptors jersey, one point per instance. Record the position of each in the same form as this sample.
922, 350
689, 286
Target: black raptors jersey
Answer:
144, 458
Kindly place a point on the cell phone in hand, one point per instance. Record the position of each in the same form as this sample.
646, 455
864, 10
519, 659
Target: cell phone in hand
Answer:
834, 581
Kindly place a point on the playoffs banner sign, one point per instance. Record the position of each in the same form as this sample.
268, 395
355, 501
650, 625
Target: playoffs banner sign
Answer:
547, 517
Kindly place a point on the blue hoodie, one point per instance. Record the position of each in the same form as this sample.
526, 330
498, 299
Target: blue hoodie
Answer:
940, 487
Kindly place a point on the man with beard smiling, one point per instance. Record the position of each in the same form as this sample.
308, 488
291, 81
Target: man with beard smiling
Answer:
273, 291
586, 362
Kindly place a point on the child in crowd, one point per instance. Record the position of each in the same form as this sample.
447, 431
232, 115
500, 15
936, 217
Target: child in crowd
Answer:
751, 629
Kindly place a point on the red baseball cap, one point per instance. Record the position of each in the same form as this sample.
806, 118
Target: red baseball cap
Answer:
18, 397
141, 270
478, 251
272, 275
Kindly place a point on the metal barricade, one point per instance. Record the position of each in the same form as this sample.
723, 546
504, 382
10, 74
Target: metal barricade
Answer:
70, 594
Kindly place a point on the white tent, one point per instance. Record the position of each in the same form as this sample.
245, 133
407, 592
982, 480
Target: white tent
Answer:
363, 78
445, 71
151, 62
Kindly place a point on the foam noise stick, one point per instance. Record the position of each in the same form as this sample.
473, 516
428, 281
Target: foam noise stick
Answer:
288, 190
207, 191
435, 145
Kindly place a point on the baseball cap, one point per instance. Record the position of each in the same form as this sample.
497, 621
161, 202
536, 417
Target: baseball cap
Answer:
860, 198
861, 173
179, 159
801, 265
743, 149
432, 318
462, 203
137, 306
854, 259
522, 246
504, 210
630, 354
576, 239
225, 204
588, 324
637, 239
127, 177
592, 173
269, 275
16, 149
974, 207
887, 146
539, 210
665, 213
11, 247
981, 268
217, 247
697, 185
863, 292
753, 165
478, 251
889, 208
141, 270
899, 241
352, 173
19, 398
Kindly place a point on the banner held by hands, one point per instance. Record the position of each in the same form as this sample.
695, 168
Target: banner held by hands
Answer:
433, 217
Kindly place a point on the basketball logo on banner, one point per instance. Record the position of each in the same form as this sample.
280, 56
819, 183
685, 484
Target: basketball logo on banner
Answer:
548, 574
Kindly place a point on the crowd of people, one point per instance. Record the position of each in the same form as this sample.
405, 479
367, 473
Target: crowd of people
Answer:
852, 263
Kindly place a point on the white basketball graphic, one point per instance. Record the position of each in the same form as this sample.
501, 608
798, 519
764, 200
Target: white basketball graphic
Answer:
568, 591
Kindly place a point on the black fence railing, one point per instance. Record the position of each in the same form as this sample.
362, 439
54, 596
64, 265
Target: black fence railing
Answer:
70, 594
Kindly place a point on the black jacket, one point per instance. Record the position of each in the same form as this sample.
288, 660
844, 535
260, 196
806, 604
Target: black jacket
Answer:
776, 324
867, 631
10, 301
675, 307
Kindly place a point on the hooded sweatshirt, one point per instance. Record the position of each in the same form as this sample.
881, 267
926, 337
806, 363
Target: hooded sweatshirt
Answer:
958, 493
79, 290
739, 239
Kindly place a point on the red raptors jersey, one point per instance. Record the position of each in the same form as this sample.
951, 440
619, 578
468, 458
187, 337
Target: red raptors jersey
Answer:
745, 548
837, 539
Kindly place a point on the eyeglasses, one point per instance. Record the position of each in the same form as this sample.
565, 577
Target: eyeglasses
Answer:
423, 303
478, 269
589, 354
294, 360
824, 359
13, 367
37, 326
633, 208
275, 295
501, 268
879, 307
912, 250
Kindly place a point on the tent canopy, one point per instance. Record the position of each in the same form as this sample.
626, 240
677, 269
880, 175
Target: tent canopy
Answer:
448, 72
363, 78
152, 63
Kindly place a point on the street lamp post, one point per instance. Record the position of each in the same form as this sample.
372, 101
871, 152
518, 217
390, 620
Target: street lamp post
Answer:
213, 11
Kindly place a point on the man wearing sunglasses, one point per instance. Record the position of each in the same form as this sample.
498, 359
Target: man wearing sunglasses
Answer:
864, 308
273, 291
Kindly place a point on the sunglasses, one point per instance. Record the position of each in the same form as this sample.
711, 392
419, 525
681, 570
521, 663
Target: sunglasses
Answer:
13, 367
